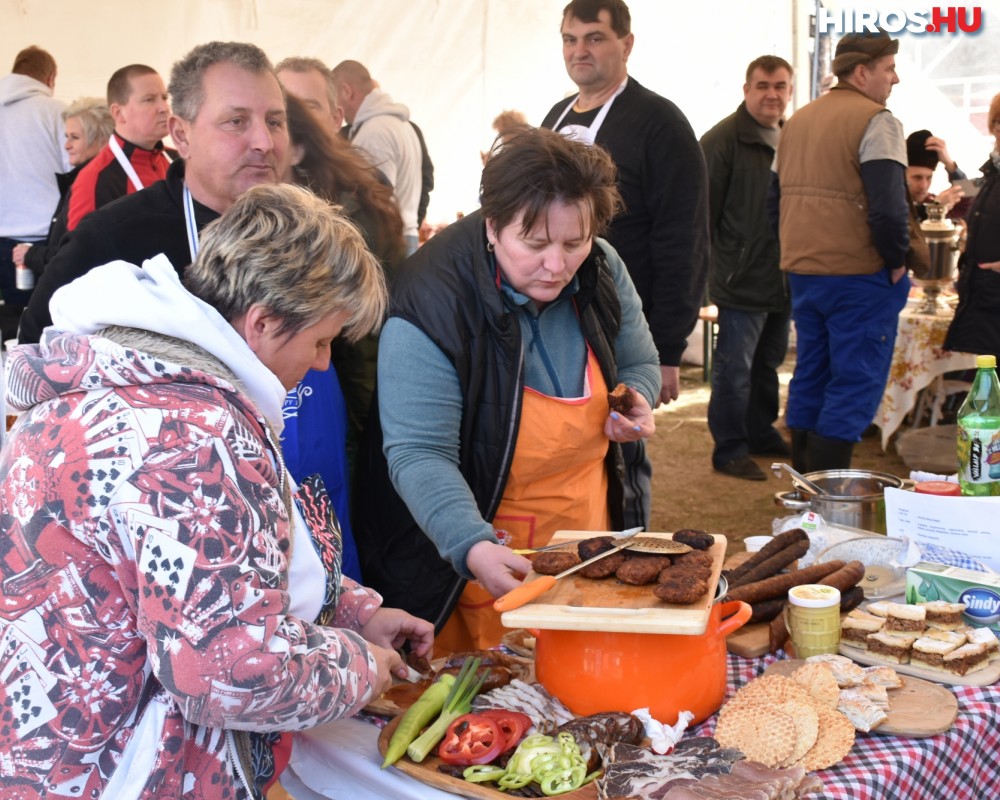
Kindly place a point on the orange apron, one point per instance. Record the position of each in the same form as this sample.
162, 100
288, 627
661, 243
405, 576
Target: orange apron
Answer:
558, 481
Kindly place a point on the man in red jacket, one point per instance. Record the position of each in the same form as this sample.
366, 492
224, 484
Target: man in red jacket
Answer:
133, 157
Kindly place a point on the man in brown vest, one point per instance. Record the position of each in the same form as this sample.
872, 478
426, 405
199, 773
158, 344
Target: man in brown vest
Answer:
841, 187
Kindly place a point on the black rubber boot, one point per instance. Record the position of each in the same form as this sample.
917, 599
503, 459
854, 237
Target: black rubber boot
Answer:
823, 453
799, 443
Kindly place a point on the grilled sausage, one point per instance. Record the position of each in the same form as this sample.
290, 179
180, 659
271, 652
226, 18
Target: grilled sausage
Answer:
778, 543
778, 585
772, 565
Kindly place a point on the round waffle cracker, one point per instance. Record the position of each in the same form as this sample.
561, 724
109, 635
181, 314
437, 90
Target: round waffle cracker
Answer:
806, 720
761, 732
817, 678
770, 690
834, 742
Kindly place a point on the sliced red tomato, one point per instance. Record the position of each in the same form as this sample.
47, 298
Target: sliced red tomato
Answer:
471, 739
513, 724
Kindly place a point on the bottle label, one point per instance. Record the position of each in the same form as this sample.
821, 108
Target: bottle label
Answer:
979, 454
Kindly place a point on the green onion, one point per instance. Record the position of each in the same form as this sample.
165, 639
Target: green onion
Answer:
459, 701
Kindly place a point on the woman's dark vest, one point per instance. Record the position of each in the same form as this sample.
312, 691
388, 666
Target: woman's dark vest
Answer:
449, 289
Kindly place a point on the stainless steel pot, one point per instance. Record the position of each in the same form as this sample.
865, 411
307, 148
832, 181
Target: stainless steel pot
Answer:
852, 497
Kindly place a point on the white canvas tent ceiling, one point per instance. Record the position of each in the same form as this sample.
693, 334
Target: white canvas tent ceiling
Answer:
455, 63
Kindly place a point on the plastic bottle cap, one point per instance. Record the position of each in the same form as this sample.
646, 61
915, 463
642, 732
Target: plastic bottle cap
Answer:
939, 488
986, 362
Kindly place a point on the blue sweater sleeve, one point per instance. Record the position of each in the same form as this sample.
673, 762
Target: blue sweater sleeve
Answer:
420, 404
888, 212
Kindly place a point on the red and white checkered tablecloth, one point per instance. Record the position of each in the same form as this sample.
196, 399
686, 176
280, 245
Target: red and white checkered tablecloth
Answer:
961, 764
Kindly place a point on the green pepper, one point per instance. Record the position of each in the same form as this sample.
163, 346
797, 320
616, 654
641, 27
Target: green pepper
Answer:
417, 716
483, 773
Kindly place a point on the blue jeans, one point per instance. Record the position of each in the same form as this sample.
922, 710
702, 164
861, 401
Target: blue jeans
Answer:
845, 327
744, 404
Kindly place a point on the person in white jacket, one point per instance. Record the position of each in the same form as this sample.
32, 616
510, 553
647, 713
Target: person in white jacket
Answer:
381, 128
31, 155
171, 605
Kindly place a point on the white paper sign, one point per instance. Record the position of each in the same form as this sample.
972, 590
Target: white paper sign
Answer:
970, 525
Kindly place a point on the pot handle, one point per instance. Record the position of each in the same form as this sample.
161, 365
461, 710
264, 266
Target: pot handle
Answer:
792, 505
907, 484
735, 614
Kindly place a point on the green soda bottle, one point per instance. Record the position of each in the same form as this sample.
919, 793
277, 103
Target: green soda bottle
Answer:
979, 433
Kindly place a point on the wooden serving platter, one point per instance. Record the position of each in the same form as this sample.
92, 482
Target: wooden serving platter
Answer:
986, 676
402, 694
576, 603
427, 772
918, 709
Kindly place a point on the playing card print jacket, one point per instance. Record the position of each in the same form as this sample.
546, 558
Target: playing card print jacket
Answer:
144, 551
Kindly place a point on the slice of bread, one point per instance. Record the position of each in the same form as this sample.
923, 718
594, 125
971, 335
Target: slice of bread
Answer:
987, 638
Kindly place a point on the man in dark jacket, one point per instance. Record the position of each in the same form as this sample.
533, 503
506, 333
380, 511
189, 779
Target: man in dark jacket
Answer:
744, 278
662, 235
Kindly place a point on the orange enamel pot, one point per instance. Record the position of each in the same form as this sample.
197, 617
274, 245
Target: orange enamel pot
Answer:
595, 671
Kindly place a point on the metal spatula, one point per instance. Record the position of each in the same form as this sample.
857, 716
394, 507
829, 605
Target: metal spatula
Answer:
527, 592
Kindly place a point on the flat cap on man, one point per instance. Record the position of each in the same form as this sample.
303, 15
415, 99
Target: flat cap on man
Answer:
862, 48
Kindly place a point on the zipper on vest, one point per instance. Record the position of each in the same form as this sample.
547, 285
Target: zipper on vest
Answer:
511, 434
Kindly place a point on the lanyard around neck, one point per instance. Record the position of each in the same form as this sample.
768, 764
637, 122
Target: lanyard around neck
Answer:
189, 223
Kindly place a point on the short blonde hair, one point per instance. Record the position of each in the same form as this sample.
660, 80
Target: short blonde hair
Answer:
282, 247
94, 116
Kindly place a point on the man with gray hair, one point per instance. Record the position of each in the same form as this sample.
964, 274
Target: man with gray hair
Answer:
311, 81
381, 128
229, 81
839, 197
31, 155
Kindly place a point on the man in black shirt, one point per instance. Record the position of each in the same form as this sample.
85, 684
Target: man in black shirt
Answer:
662, 233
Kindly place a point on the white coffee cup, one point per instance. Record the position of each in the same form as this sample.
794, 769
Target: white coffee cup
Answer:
756, 543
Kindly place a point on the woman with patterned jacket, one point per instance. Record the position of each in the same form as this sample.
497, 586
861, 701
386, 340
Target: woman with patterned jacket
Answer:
157, 571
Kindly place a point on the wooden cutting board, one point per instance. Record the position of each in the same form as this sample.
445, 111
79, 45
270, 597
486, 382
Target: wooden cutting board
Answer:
918, 709
753, 640
576, 603
427, 772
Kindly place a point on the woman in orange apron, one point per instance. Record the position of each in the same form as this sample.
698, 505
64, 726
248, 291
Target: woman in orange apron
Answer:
507, 331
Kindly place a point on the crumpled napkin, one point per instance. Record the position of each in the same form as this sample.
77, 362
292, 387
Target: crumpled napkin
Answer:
663, 737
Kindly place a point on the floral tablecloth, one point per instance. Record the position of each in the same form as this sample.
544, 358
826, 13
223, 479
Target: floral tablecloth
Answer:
917, 360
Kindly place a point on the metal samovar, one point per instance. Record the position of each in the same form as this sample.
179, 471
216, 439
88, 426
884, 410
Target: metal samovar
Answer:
941, 235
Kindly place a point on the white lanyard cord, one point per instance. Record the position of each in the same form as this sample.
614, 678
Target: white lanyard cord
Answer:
124, 163
190, 224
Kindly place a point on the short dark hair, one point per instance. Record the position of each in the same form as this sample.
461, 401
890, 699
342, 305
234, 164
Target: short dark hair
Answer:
186, 88
35, 63
529, 169
589, 10
120, 83
769, 64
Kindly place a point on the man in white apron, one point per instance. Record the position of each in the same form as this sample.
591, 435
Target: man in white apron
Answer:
134, 156
662, 235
